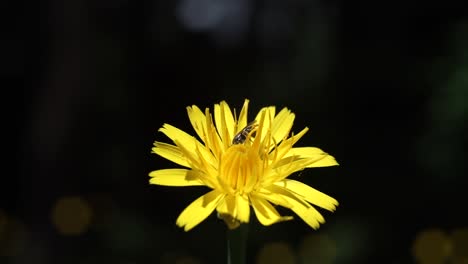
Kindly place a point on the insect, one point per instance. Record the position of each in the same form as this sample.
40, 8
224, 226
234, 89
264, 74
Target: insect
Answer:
240, 137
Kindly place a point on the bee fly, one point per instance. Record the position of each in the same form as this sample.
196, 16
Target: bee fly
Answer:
240, 137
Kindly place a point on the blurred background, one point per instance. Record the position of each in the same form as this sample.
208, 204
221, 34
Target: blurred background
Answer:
383, 87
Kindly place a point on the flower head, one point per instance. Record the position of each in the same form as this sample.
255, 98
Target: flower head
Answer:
246, 164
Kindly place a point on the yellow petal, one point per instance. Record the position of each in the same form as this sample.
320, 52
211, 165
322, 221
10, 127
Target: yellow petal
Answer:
269, 113
170, 152
230, 124
199, 210
325, 161
282, 164
242, 119
198, 162
308, 213
174, 177
284, 168
213, 139
286, 145
204, 177
243, 209
265, 212
282, 193
282, 124
190, 144
309, 194
273, 198
236, 207
230, 221
198, 120
305, 152
322, 158
224, 122
176, 134
227, 206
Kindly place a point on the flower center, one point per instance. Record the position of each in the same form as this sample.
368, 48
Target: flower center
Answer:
241, 168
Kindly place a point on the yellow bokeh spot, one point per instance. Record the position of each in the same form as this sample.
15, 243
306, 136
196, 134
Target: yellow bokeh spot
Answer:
459, 239
71, 215
276, 253
432, 247
317, 248
187, 260
13, 236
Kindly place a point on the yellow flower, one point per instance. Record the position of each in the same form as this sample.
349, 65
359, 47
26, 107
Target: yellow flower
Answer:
245, 164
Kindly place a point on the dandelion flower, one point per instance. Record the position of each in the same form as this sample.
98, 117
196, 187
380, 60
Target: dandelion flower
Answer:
245, 164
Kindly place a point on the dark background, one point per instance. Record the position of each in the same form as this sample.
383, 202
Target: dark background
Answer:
383, 87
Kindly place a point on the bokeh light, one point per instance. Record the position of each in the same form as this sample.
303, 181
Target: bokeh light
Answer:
276, 253
317, 248
459, 239
200, 15
226, 20
71, 215
13, 236
187, 260
432, 247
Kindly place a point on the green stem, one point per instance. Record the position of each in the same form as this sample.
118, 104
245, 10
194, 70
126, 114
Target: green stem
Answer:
237, 244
